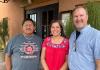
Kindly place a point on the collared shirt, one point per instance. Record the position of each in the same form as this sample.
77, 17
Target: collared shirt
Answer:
87, 49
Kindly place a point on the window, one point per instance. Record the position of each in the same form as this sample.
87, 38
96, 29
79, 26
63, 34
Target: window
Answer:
65, 18
33, 17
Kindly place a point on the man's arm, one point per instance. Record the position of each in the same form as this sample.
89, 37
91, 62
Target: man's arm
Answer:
96, 50
8, 62
98, 64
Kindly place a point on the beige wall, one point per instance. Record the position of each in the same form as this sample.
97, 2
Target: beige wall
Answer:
66, 5
48, 2
15, 16
15, 13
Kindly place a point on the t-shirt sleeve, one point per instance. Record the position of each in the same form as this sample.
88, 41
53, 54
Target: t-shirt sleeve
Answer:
8, 49
97, 47
40, 40
44, 44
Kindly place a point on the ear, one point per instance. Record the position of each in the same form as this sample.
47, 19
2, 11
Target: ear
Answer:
34, 28
87, 17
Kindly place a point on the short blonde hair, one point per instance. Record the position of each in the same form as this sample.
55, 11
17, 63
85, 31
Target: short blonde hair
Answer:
78, 7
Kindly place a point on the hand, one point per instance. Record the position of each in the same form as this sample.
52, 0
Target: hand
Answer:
46, 69
62, 68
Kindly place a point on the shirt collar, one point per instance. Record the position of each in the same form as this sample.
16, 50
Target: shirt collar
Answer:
85, 29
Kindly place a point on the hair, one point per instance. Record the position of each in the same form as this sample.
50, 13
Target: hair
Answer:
78, 7
61, 26
33, 22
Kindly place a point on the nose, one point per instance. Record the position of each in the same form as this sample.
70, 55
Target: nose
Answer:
55, 29
78, 18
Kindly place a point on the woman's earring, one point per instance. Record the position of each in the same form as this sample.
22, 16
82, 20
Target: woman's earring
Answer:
60, 34
50, 33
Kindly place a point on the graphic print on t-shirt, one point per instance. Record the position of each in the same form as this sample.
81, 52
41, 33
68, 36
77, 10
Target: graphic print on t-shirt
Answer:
28, 50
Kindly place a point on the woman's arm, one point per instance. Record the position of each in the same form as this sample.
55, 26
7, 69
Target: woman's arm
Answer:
65, 65
8, 62
45, 66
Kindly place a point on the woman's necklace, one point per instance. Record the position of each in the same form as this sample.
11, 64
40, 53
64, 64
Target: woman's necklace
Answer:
57, 40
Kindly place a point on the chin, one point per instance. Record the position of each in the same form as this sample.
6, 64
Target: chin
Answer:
79, 28
55, 35
29, 33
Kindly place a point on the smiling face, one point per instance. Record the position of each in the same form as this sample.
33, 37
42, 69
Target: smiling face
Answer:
28, 28
55, 29
80, 18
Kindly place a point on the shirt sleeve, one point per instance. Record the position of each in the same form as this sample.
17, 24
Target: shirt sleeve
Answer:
8, 49
97, 47
44, 44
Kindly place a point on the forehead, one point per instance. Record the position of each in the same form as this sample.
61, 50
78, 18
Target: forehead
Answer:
55, 24
79, 11
28, 22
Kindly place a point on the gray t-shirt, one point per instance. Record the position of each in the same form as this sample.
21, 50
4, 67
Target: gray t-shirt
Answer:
25, 52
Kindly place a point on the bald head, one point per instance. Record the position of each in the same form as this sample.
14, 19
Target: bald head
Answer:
80, 17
